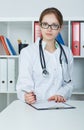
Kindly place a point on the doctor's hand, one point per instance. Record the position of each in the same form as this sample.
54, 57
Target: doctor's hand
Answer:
57, 98
30, 97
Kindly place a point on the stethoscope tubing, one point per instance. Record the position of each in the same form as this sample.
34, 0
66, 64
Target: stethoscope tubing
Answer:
42, 59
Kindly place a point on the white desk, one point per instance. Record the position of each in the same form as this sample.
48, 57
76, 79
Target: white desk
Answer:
20, 116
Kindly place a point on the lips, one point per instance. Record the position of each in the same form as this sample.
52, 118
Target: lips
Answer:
48, 34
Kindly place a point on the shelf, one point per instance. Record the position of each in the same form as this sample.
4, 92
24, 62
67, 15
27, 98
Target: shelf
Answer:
80, 57
78, 91
8, 92
9, 56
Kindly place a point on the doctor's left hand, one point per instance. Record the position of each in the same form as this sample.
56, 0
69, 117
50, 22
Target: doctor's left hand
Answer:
57, 98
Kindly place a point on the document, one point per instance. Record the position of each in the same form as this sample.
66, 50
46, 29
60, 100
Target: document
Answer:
11, 75
76, 38
49, 105
37, 31
3, 75
82, 39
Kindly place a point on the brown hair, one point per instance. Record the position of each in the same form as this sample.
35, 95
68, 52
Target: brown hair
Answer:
54, 11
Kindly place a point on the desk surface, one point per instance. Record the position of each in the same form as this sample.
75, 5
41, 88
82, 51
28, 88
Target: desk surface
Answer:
20, 116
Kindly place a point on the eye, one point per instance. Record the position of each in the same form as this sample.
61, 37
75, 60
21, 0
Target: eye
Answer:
45, 24
55, 26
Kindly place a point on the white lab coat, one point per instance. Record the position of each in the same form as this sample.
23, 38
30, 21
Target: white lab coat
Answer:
30, 73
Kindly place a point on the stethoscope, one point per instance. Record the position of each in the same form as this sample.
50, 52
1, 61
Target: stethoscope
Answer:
45, 73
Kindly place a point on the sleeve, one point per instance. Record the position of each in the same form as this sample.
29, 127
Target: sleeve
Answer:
25, 81
67, 88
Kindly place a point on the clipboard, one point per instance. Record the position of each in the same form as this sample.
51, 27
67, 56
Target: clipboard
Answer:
51, 105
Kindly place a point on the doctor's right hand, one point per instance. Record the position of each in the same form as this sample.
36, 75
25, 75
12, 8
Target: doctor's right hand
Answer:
30, 97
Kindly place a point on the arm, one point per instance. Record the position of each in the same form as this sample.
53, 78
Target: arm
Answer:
65, 90
25, 81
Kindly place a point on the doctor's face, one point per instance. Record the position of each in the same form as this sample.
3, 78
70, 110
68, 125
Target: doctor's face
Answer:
50, 27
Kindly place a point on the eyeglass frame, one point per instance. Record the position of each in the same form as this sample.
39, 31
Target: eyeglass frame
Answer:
48, 25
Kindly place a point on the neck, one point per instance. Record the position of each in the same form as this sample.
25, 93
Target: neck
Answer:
50, 46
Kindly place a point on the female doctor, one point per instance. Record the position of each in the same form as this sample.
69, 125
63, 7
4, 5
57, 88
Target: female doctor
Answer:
45, 68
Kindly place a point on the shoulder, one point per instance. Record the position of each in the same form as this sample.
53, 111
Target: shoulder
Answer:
31, 50
67, 49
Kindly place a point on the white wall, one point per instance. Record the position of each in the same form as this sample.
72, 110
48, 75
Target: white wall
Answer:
31, 8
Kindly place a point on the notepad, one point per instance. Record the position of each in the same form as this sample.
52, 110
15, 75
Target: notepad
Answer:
49, 105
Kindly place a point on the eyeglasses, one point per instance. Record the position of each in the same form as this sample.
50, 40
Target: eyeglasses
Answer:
52, 26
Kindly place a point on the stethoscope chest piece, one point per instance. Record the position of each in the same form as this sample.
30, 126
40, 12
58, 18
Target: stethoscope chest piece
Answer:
45, 73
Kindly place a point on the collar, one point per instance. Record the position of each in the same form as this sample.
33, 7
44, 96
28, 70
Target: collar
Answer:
43, 43
56, 44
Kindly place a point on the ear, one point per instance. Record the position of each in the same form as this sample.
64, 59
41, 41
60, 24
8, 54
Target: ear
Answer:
61, 28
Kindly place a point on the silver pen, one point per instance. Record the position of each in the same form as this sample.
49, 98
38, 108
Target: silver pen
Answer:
29, 92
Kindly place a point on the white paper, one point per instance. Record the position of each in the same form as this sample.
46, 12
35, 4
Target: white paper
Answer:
50, 105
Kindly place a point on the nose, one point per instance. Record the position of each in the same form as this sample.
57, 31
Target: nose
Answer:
50, 28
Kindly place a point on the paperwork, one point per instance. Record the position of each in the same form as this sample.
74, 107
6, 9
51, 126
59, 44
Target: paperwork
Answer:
49, 105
